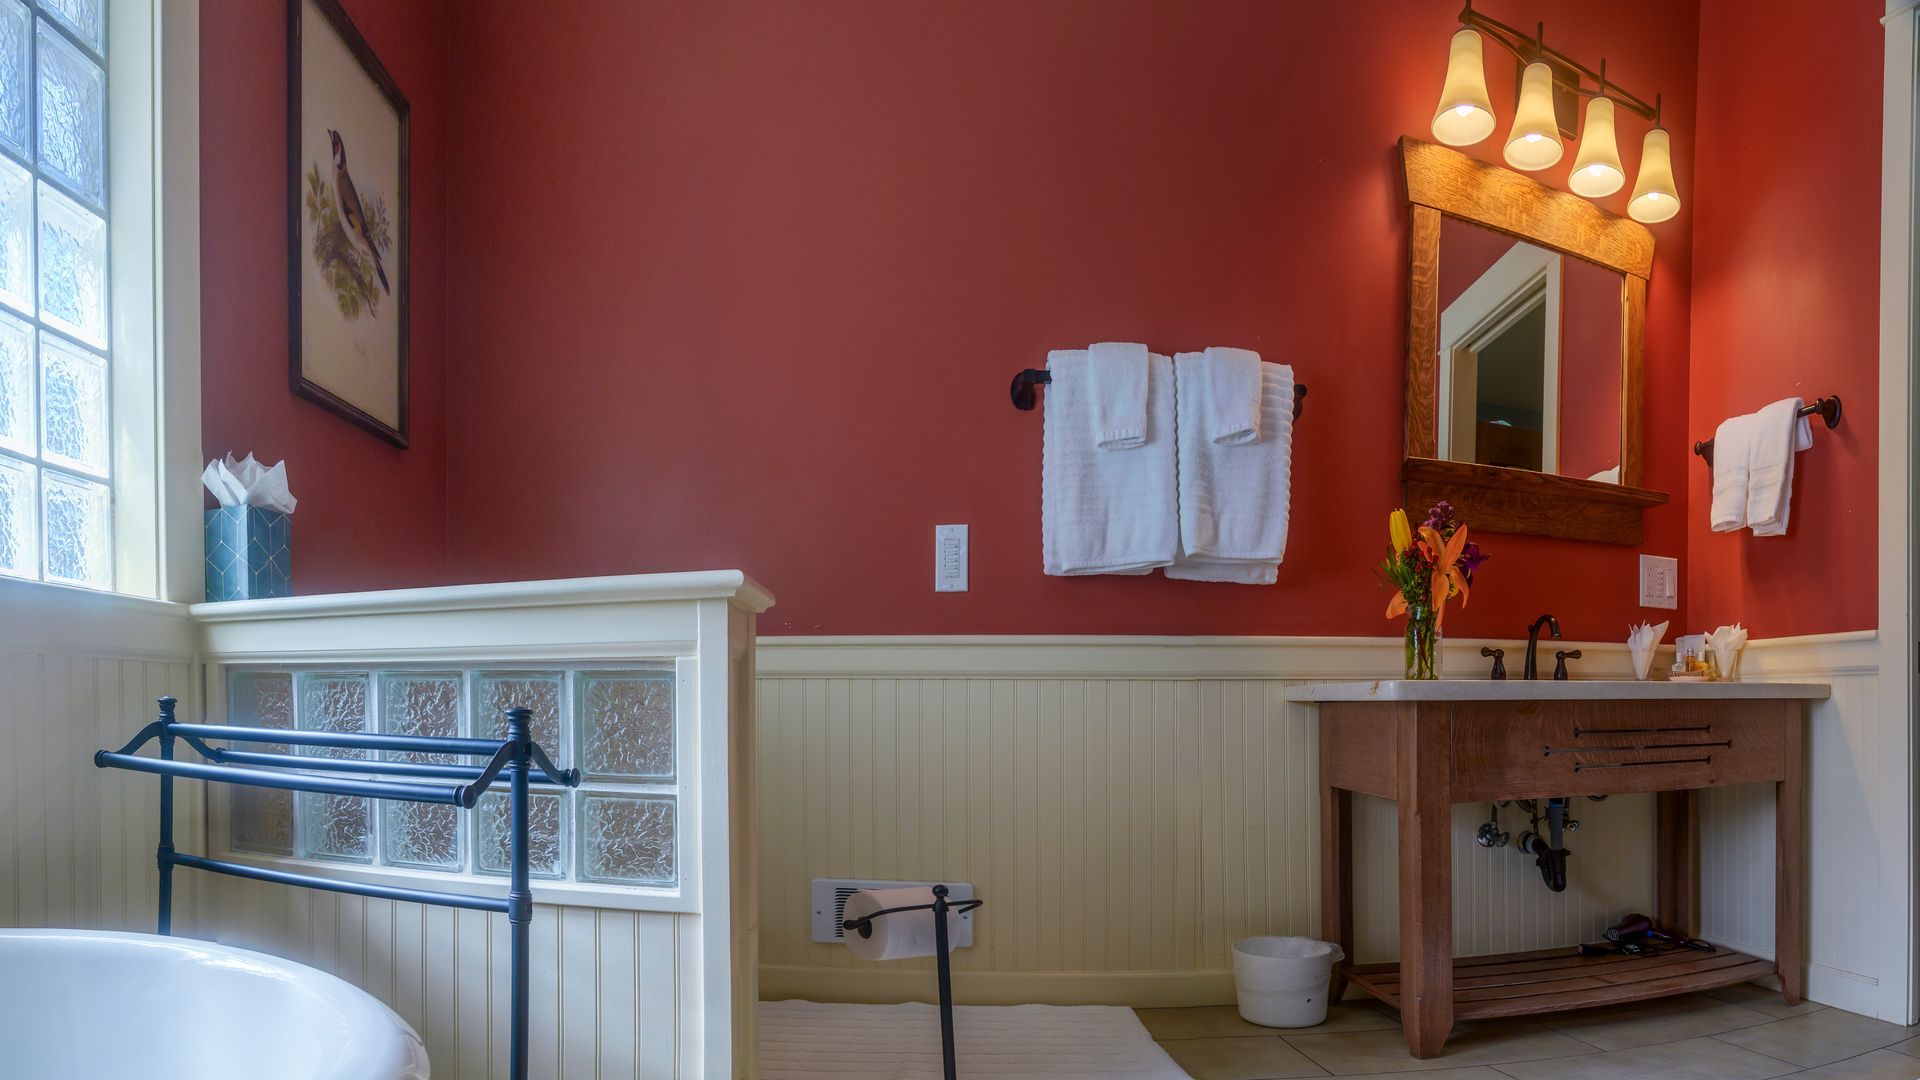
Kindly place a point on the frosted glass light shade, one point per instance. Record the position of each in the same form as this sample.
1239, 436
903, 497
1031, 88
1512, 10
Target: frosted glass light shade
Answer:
1654, 197
1534, 142
1465, 113
1596, 168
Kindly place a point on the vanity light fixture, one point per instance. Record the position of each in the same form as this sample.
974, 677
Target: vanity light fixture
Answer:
1534, 143
1465, 114
1551, 86
1654, 199
1596, 168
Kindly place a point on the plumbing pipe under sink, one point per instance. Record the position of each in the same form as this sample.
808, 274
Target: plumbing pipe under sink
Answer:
1549, 855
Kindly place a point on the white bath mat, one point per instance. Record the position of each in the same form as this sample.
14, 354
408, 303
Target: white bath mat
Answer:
803, 1040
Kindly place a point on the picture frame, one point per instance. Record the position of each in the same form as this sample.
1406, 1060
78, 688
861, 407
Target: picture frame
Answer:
348, 220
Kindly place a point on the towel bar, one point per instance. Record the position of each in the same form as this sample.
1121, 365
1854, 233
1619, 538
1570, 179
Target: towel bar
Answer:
1023, 383
1827, 408
514, 761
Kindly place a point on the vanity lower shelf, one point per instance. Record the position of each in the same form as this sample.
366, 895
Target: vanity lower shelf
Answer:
1555, 980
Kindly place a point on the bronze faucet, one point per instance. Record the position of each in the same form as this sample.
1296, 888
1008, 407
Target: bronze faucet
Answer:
1533, 642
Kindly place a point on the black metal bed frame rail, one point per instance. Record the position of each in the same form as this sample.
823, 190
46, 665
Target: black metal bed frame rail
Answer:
515, 761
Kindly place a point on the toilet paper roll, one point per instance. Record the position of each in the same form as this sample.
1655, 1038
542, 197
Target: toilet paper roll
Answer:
898, 936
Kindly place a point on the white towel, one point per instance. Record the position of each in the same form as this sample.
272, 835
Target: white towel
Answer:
1233, 571
1105, 511
1779, 432
1118, 371
1233, 498
1228, 403
1732, 448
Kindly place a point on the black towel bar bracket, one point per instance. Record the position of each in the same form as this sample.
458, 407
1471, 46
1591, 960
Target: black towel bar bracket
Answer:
1023, 396
1826, 408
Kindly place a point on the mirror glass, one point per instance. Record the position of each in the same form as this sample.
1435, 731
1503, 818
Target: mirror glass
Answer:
1531, 356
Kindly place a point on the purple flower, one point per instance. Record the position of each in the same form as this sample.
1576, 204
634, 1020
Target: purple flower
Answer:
1440, 518
1470, 559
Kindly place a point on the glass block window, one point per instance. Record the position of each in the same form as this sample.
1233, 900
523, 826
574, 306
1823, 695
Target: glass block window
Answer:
263, 819
56, 408
617, 725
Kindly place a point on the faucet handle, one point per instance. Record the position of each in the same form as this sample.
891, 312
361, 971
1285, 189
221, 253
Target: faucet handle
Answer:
1560, 658
1499, 661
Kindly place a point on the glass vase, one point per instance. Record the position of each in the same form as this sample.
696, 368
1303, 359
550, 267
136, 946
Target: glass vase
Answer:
1423, 643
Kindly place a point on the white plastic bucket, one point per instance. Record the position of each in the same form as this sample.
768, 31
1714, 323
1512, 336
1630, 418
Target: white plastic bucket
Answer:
1283, 981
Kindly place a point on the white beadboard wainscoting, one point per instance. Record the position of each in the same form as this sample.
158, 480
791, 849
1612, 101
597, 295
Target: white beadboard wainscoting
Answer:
1859, 838
1129, 807
79, 671
625, 982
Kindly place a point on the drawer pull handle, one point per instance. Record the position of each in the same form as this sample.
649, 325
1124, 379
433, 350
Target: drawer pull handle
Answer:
1580, 732
1549, 751
1645, 764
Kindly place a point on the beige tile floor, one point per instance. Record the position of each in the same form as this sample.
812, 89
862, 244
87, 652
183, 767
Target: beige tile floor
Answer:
1740, 1033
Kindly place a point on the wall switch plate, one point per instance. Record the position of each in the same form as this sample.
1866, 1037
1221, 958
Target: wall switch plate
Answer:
1659, 582
949, 558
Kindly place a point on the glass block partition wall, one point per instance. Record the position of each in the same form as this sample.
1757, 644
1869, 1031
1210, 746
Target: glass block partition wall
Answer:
617, 725
56, 499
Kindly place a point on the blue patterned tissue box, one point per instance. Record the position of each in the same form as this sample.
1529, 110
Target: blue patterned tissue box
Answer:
249, 553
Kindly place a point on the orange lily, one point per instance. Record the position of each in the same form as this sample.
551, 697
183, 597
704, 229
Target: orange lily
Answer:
1447, 576
1397, 606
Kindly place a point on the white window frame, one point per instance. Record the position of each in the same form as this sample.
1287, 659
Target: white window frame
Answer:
154, 349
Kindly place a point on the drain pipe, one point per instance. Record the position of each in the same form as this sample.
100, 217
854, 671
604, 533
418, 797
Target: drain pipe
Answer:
1548, 853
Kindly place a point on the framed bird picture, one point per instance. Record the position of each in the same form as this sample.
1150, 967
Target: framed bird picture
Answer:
347, 179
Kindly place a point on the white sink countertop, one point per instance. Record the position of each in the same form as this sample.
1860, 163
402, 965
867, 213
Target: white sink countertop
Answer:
1554, 690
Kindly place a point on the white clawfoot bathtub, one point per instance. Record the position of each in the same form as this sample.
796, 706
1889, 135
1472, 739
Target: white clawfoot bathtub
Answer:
104, 1006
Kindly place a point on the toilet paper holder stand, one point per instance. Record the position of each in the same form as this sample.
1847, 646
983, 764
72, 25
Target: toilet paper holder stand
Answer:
940, 907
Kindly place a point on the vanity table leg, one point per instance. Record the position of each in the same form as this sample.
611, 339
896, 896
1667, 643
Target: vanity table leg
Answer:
1789, 867
1336, 877
1426, 877
1678, 862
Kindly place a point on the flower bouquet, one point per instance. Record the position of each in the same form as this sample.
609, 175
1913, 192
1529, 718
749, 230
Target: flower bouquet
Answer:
1428, 567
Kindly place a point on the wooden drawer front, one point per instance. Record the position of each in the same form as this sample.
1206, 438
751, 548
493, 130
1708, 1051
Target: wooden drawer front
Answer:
1605, 748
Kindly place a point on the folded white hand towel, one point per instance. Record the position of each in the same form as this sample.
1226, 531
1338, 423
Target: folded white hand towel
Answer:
1227, 385
1233, 498
1234, 571
1779, 432
1118, 372
1105, 511
1732, 448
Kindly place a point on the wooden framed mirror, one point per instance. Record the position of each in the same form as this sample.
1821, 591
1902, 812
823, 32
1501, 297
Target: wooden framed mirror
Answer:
1526, 342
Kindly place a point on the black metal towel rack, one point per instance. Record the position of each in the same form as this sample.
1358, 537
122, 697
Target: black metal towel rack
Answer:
1826, 408
517, 760
1023, 395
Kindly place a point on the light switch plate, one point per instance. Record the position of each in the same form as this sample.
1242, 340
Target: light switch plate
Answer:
1659, 581
949, 558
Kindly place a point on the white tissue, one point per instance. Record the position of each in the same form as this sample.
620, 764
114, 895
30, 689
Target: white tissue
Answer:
248, 483
1643, 641
1726, 643
900, 935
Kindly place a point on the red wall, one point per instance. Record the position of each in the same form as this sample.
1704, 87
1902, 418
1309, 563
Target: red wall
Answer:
371, 516
1590, 368
743, 284
1786, 300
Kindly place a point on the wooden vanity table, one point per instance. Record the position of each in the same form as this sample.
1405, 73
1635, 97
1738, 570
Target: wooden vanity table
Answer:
1428, 745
